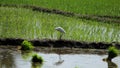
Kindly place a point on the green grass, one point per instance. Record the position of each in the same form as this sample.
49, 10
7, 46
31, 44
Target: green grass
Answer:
90, 7
24, 23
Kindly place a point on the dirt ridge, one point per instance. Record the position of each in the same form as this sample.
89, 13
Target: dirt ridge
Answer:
99, 18
59, 43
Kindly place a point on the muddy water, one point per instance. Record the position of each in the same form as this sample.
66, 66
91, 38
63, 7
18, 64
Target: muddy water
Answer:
10, 57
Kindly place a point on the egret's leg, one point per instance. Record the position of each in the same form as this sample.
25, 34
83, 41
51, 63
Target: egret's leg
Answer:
60, 36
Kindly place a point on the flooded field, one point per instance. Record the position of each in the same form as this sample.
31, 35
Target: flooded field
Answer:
11, 57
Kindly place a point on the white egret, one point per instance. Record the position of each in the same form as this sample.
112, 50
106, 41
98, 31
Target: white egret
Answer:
61, 30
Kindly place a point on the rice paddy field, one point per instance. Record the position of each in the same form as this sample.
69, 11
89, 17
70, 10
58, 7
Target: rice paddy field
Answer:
90, 7
28, 24
18, 21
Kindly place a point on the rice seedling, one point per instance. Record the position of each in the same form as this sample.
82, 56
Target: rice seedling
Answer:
90, 7
26, 45
26, 24
112, 53
37, 58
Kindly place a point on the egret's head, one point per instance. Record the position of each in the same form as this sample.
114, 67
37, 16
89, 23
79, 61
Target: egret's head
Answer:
60, 29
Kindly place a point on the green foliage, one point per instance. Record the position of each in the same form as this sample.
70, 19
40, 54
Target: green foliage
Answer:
26, 45
112, 52
37, 58
24, 23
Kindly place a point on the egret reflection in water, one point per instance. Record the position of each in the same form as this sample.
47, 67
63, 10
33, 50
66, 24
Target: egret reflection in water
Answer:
60, 61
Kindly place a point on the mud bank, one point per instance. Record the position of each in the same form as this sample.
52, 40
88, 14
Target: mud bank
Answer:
114, 19
60, 43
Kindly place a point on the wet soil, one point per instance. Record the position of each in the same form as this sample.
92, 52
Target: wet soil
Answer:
102, 18
60, 43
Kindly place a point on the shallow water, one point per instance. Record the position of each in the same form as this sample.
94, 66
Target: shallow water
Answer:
56, 58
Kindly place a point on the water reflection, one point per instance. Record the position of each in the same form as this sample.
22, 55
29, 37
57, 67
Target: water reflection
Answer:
112, 64
36, 65
26, 54
71, 51
60, 61
6, 60
56, 58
